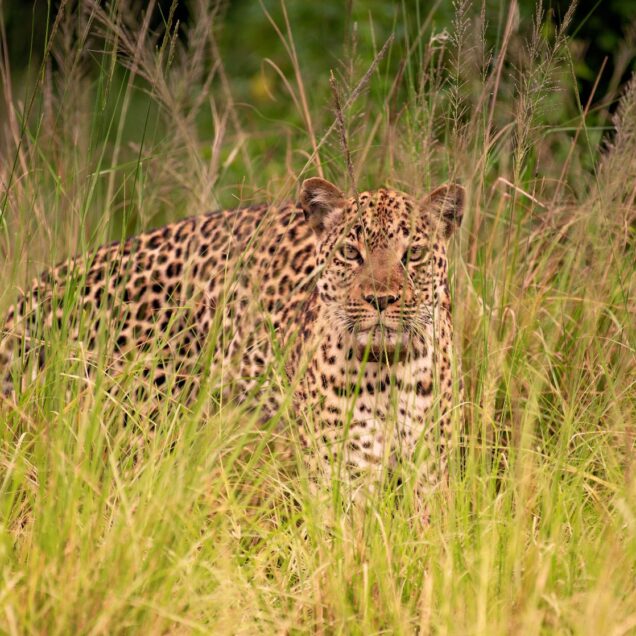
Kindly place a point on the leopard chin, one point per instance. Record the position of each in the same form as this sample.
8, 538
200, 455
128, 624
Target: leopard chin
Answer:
380, 343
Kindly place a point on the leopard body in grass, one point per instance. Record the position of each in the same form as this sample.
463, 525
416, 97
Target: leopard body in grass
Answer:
354, 291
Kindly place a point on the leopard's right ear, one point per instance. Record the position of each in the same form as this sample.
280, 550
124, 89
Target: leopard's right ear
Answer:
320, 201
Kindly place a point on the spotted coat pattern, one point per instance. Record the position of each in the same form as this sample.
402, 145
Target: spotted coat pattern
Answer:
353, 289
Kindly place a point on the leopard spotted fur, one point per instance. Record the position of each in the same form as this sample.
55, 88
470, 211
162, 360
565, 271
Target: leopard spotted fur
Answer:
353, 290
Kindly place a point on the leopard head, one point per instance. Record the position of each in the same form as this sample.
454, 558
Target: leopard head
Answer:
381, 259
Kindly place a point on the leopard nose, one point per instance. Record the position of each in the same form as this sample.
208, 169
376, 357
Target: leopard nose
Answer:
381, 301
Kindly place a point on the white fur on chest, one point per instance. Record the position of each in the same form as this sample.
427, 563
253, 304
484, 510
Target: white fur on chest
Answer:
392, 411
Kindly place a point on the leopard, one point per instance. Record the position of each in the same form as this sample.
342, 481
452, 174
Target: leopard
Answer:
352, 289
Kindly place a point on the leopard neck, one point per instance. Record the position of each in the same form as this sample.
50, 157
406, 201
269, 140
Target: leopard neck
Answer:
332, 362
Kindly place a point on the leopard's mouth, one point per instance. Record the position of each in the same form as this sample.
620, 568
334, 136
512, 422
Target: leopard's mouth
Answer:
381, 341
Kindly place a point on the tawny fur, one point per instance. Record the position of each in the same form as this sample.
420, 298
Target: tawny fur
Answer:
355, 290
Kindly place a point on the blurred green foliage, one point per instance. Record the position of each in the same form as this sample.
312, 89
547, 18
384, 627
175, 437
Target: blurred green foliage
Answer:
258, 42
252, 48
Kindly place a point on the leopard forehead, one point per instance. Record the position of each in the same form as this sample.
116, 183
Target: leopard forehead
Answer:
381, 217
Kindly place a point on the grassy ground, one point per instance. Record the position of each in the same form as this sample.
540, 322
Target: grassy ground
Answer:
198, 528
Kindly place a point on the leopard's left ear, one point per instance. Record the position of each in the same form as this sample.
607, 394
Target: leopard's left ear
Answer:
319, 199
446, 203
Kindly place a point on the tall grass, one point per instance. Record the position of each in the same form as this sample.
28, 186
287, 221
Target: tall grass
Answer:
185, 521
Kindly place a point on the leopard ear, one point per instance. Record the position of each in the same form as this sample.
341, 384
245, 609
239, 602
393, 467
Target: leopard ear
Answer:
446, 204
319, 199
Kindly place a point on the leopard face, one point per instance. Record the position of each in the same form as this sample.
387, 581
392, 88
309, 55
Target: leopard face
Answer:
382, 262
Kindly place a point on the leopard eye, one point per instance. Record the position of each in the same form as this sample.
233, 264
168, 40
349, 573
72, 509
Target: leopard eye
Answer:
414, 254
350, 253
